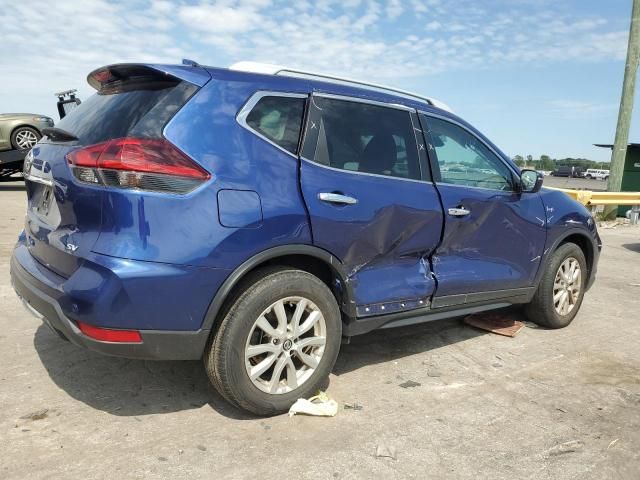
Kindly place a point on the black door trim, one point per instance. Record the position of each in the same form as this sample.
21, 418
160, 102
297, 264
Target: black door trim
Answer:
476, 297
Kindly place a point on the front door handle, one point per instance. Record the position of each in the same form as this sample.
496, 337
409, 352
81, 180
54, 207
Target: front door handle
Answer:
458, 212
337, 198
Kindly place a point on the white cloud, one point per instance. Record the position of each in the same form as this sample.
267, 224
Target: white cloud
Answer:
419, 7
394, 9
48, 49
219, 19
579, 108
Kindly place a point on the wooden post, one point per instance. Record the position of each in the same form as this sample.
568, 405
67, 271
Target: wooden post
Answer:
619, 152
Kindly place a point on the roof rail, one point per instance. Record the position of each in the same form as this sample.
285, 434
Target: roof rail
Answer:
269, 69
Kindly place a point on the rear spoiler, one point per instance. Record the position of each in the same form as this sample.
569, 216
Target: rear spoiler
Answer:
103, 76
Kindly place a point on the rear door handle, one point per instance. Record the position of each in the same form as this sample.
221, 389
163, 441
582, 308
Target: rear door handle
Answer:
458, 212
337, 198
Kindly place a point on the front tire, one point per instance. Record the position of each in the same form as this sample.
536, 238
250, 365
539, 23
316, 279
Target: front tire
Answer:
277, 342
561, 289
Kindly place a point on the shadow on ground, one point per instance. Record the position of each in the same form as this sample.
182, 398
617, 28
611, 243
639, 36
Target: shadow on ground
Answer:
11, 187
634, 247
388, 345
135, 387
126, 387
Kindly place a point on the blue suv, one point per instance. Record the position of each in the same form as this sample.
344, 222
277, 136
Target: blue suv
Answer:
255, 217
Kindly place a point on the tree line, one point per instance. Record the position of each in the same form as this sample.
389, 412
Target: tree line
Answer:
547, 163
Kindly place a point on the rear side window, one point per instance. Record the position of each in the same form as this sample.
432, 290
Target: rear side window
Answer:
361, 137
278, 119
138, 110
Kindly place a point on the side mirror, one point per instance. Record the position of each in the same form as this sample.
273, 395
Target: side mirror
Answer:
530, 181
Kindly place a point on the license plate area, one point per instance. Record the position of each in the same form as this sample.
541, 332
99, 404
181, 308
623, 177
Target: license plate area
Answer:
42, 203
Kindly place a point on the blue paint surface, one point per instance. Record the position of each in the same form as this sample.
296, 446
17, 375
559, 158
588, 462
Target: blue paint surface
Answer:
239, 209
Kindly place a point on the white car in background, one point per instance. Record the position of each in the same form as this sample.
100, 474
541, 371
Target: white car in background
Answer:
596, 173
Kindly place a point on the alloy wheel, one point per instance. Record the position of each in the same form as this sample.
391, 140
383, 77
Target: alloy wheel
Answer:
26, 139
285, 345
567, 286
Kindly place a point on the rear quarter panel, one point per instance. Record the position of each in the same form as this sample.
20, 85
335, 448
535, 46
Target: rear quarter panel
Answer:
186, 229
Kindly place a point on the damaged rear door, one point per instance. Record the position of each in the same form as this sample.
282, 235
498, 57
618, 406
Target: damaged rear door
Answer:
364, 177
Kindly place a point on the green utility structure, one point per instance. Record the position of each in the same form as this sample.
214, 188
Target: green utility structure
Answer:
631, 172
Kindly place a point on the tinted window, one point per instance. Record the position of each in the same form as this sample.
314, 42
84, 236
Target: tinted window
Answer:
141, 111
361, 137
279, 119
464, 160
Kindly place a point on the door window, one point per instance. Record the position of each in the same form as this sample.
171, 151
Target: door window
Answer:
464, 160
361, 137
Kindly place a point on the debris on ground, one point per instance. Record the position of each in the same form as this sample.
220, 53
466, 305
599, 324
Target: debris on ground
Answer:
433, 371
606, 224
566, 447
352, 406
386, 451
410, 384
613, 442
501, 323
37, 415
320, 405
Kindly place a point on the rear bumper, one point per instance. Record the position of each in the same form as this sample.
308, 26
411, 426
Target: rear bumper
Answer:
156, 344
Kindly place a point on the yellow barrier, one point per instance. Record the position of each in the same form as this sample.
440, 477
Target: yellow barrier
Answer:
588, 197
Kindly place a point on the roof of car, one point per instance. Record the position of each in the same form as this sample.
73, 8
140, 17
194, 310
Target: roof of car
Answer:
304, 81
269, 69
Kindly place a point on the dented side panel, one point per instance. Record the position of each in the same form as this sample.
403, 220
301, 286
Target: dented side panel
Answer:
384, 240
498, 246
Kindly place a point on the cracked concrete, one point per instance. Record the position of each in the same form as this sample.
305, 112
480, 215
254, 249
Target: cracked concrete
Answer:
546, 404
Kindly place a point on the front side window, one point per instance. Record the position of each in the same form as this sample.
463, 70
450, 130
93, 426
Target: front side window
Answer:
361, 137
279, 119
464, 160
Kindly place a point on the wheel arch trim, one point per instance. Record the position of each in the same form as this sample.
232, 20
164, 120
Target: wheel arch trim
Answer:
591, 255
264, 256
22, 125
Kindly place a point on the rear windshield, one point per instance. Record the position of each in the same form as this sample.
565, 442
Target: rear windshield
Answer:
141, 111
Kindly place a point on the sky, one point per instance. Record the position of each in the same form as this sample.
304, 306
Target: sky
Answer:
536, 76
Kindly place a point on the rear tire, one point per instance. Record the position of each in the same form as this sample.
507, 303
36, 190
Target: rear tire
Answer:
561, 290
24, 138
262, 359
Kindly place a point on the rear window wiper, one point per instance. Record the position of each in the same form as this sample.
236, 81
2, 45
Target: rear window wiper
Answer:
59, 135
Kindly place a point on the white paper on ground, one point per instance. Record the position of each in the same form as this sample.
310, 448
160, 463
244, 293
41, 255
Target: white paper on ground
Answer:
320, 406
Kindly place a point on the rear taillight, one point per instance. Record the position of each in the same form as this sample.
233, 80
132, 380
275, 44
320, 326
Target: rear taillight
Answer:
137, 163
